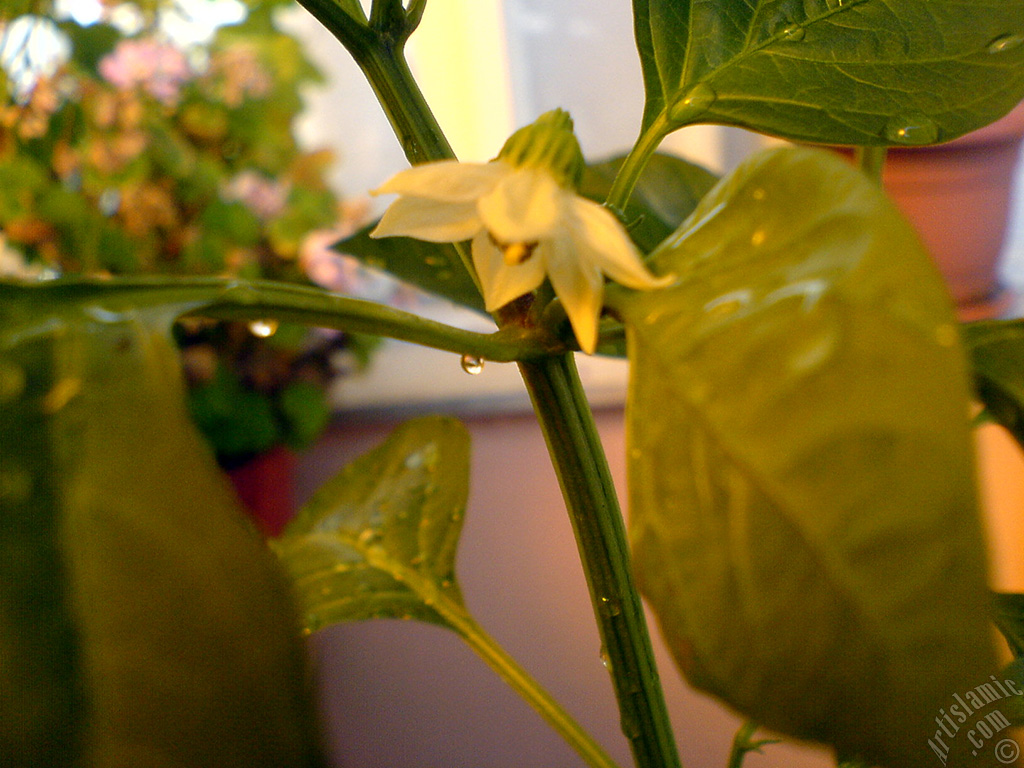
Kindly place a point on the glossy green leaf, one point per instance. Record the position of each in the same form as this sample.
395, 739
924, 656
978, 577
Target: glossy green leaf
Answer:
803, 508
142, 620
997, 354
379, 539
834, 71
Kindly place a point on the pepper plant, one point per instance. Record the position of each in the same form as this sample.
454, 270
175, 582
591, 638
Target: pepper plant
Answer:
803, 511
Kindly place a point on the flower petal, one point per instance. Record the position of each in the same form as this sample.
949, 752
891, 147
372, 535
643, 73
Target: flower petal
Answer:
432, 220
523, 207
501, 282
447, 180
603, 240
578, 283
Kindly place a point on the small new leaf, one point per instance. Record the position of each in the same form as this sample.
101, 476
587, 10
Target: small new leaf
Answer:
379, 539
1009, 617
997, 356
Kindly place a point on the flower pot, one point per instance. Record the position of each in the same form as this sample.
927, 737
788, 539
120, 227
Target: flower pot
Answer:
266, 488
957, 195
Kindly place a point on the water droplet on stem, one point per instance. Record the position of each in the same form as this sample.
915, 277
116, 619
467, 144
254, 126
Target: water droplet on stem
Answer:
263, 329
472, 365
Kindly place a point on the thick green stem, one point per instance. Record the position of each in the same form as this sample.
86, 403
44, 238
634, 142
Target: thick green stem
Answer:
563, 413
575, 448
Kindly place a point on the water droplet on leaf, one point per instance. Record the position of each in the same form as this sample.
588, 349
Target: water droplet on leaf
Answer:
263, 329
1005, 43
728, 303
368, 536
62, 393
472, 365
914, 131
693, 104
794, 33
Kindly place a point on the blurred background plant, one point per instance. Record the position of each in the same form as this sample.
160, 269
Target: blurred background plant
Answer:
156, 137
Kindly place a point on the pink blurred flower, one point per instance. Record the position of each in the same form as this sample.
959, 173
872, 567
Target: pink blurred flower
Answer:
339, 272
159, 68
264, 197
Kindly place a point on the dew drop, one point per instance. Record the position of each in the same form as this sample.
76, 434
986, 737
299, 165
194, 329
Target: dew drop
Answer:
472, 365
606, 661
695, 103
62, 393
915, 130
728, 303
811, 353
263, 329
1005, 43
12, 381
368, 536
794, 33
239, 293
610, 606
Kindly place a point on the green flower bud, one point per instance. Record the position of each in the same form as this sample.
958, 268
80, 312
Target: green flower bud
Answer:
548, 143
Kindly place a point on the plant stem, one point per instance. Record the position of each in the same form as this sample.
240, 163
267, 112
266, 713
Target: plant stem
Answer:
532, 692
871, 161
741, 744
238, 300
566, 421
629, 172
568, 425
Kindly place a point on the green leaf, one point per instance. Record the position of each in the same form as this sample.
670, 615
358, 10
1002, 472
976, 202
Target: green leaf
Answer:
997, 354
667, 192
803, 508
90, 43
869, 72
142, 620
238, 421
379, 539
305, 408
434, 267
1009, 617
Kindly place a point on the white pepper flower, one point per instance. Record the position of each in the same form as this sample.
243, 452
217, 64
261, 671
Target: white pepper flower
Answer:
526, 223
